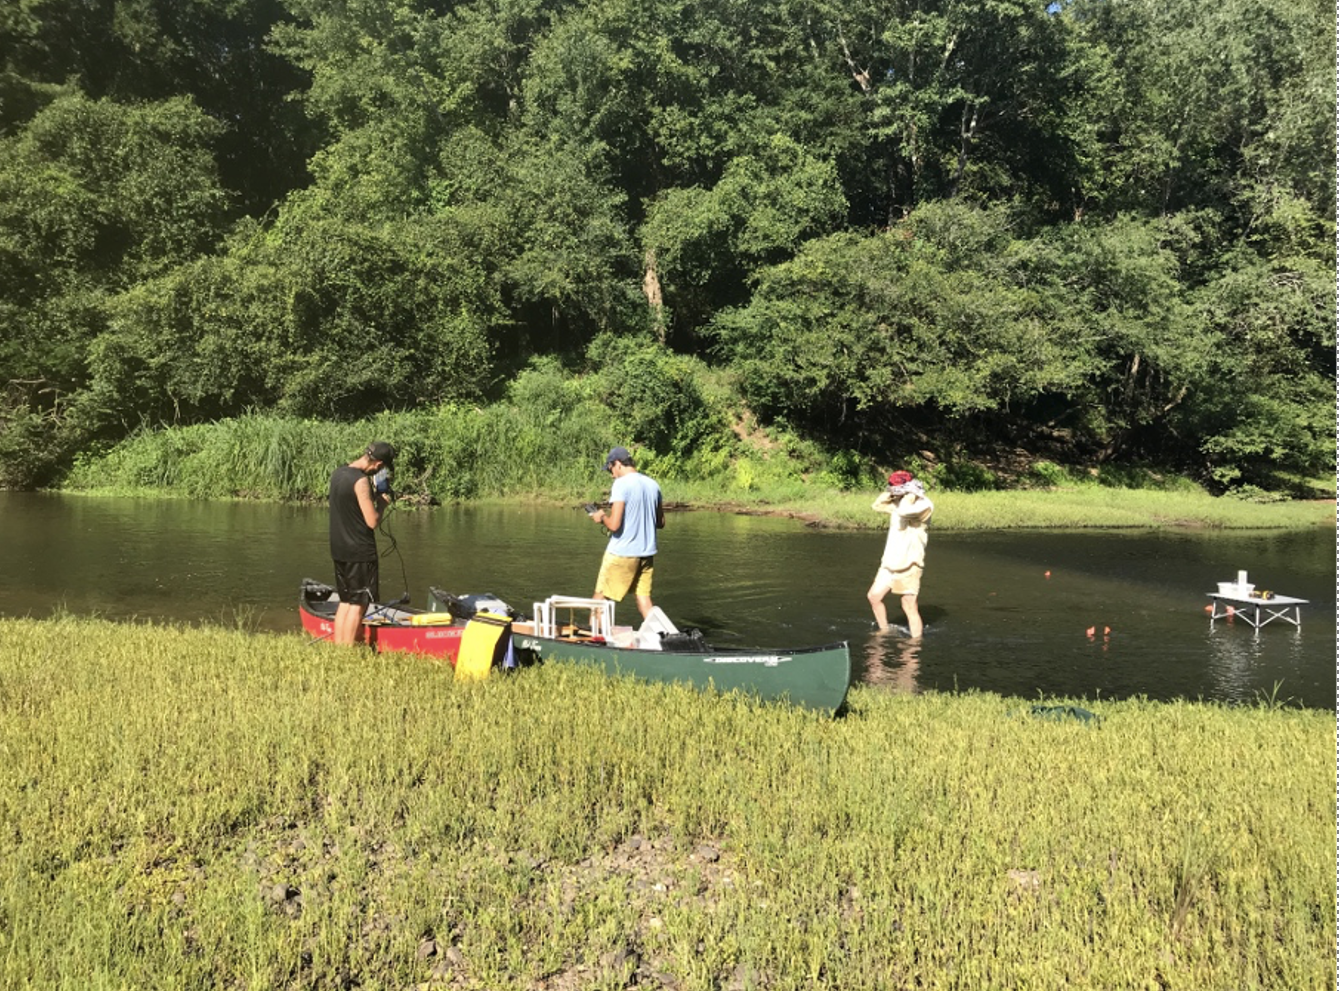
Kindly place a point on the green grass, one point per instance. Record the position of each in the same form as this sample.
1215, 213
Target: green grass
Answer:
454, 454
1079, 506
205, 808
444, 455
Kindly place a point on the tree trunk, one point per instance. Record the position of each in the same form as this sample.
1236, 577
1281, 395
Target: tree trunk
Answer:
651, 288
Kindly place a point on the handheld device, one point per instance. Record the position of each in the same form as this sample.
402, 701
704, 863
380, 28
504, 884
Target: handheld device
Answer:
589, 508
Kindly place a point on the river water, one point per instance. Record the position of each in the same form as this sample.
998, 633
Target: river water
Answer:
1007, 612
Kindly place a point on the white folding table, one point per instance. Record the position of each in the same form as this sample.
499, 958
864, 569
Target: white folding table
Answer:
1255, 610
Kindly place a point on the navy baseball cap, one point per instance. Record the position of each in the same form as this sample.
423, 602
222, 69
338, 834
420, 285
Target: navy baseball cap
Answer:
616, 454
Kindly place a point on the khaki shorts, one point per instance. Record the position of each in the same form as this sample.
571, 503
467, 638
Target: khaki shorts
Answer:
620, 574
905, 582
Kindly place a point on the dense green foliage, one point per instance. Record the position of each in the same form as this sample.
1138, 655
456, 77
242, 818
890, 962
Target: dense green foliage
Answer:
206, 808
546, 435
1094, 231
543, 441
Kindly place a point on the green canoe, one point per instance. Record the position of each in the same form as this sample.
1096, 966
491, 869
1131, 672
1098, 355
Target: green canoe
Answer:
812, 677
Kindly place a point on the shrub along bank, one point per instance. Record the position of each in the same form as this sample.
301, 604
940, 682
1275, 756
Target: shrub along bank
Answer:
546, 443
206, 808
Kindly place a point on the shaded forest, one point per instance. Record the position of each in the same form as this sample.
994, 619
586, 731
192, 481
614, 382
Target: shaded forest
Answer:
1097, 231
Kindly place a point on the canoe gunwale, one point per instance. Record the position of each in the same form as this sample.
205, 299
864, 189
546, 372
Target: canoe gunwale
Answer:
707, 650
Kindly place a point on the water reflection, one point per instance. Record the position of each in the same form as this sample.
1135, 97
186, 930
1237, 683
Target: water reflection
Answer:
1243, 661
892, 662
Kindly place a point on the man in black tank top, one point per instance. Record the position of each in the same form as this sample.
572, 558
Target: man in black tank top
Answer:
356, 507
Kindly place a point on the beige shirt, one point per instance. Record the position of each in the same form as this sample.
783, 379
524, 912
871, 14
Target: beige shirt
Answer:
906, 544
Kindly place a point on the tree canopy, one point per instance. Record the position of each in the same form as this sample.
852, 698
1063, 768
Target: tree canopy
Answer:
1098, 226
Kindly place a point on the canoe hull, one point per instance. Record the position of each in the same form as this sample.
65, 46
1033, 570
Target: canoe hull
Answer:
813, 677
386, 629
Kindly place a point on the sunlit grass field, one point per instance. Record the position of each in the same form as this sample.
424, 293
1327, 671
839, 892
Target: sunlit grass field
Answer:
1066, 507
206, 808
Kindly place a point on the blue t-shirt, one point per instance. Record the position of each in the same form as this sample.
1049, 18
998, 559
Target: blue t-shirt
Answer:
641, 498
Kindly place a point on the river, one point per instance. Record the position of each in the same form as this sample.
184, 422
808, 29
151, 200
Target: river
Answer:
1007, 612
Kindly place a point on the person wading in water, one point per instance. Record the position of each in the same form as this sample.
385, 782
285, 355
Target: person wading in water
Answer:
904, 551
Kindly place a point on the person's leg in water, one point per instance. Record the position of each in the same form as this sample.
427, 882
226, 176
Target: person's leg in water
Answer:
880, 588
914, 624
875, 597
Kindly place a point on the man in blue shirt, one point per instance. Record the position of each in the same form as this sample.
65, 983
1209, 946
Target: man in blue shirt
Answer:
634, 516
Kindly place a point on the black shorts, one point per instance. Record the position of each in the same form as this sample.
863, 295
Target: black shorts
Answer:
357, 582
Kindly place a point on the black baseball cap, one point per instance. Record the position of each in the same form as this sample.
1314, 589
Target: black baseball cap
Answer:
379, 450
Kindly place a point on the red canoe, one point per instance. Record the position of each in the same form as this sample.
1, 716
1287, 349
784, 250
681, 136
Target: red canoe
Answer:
385, 627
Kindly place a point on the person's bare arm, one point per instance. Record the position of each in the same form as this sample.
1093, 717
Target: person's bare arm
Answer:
371, 512
913, 505
612, 519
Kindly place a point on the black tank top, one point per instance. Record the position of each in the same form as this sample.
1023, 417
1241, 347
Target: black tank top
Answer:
351, 539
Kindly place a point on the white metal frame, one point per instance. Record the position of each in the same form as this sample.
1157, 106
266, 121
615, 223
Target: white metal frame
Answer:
546, 615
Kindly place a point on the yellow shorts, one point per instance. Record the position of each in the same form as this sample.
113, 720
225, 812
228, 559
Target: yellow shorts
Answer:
905, 582
620, 574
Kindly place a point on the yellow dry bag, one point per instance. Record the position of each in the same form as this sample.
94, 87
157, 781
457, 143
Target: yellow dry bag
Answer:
484, 643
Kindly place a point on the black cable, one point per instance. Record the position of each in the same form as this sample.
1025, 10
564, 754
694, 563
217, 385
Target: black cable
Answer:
394, 546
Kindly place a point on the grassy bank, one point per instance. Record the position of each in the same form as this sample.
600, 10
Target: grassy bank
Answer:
205, 808
1068, 507
454, 455
1086, 507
